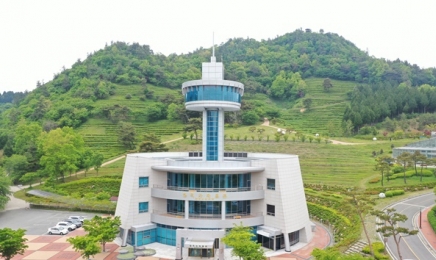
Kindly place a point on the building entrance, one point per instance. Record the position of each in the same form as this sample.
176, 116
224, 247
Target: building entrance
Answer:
201, 252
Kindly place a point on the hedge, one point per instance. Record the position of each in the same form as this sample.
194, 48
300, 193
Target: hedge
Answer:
346, 231
96, 185
431, 216
406, 188
392, 193
411, 173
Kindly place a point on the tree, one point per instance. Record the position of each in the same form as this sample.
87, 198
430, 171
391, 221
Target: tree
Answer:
87, 160
97, 161
307, 103
12, 242
29, 178
389, 220
250, 118
405, 160
240, 238
16, 166
383, 164
5, 191
194, 124
61, 149
102, 229
127, 134
152, 143
361, 205
416, 157
327, 84
86, 245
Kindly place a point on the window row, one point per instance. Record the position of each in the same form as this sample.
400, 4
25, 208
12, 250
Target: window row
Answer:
186, 181
177, 207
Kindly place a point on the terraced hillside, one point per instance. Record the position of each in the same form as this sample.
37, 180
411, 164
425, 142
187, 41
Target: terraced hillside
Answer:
102, 135
326, 111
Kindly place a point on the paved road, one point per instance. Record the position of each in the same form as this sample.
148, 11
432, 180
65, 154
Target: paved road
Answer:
412, 247
36, 221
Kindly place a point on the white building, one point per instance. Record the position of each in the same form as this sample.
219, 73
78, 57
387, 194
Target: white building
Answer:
189, 199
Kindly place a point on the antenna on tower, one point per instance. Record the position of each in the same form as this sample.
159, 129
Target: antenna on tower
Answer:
213, 59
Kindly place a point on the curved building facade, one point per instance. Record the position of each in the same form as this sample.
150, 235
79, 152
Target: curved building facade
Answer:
189, 199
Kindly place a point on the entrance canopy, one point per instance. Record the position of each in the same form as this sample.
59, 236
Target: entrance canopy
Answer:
199, 243
263, 233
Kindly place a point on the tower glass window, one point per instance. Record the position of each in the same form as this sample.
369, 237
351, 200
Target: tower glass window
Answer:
143, 207
212, 135
143, 182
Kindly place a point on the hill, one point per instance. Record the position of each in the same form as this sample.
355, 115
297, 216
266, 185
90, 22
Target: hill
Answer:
129, 82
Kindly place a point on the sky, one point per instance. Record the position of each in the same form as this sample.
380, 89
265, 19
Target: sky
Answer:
39, 38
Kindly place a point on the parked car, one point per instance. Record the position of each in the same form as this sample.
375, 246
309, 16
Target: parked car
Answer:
73, 221
80, 218
57, 231
66, 225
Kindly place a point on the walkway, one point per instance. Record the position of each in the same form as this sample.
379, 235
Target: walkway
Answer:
426, 232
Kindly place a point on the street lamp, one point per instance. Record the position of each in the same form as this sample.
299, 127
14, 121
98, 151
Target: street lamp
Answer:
420, 217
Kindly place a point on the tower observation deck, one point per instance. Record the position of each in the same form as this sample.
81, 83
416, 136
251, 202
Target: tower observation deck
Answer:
213, 95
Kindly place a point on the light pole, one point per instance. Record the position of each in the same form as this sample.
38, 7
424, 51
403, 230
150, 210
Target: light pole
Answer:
420, 217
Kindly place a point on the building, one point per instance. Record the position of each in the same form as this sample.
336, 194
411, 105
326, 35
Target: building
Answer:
189, 199
426, 147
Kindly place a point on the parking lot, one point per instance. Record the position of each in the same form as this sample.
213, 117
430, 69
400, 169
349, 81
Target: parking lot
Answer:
36, 221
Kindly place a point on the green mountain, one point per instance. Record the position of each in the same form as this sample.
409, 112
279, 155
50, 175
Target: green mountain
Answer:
129, 82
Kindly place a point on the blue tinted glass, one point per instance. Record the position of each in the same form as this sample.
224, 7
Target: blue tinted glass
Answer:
212, 136
220, 93
143, 207
143, 181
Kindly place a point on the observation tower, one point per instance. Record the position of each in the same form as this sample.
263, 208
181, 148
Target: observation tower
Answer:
212, 95
189, 199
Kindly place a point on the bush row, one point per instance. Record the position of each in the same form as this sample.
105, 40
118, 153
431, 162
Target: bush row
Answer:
411, 173
95, 185
346, 232
392, 193
406, 188
431, 216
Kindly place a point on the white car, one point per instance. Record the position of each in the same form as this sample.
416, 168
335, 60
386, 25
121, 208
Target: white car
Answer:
57, 231
79, 218
66, 225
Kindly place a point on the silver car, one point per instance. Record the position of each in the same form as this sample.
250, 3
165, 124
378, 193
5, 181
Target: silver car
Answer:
66, 225
57, 231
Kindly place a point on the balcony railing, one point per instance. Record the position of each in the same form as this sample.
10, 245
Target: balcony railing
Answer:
178, 188
208, 216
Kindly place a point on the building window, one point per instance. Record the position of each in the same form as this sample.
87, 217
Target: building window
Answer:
271, 184
143, 182
270, 210
143, 207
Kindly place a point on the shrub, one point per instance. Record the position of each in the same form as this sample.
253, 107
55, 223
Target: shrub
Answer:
245, 138
378, 249
374, 180
392, 193
128, 96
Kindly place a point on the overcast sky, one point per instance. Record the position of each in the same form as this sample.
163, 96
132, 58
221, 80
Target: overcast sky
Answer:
38, 38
